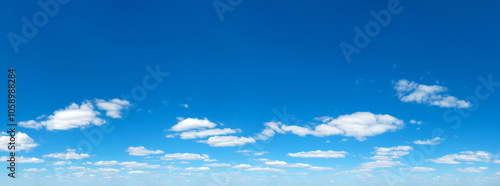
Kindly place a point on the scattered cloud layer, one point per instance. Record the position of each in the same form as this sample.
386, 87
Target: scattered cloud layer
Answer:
319, 154
468, 156
78, 116
23, 142
433, 141
142, 151
70, 154
409, 91
359, 125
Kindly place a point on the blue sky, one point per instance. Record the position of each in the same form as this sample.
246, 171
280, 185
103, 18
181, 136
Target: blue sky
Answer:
170, 93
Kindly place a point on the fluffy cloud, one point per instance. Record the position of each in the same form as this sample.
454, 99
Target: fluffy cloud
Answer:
206, 133
422, 169
113, 107
103, 163
409, 91
78, 116
137, 165
380, 164
319, 154
416, 122
472, 169
197, 169
496, 161
320, 168
384, 156
23, 142
69, 154
359, 125
62, 163
32, 124
142, 151
138, 172
22, 159
227, 141
185, 156
192, 123
217, 165
464, 156
242, 166
393, 151
34, 170
264, 169
287, 165
434, 141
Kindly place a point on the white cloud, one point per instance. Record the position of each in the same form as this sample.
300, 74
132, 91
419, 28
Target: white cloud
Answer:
142, 151
409, 91
73, 116
105, 171
192, 123
359, 125
416, 122
287, 165
422, 169
104, 163
217, 165
319, 154
496, 161
197, 169
464, 156
78, 116
137, 165
380, 164
69, 154
185, 156
472, 169
320, 168
227, 141
242, 166
62, 163
393, 151
390, 153
206, 133
184, 105
22, 159
23, 142
32, 124
434, 141
138, 172
34, 170
264, 169
113, 107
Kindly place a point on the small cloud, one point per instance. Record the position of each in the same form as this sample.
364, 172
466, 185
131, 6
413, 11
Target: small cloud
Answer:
184, 105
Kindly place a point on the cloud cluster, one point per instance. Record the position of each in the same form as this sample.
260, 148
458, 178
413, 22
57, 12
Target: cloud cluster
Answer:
78, 116
359, 125
142, 151
384, 157
409, 91
319, 154
434, 141
469, 156
70, 154
23, 142
193, 128
472, 169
